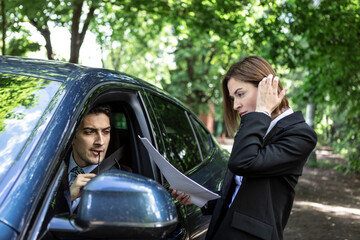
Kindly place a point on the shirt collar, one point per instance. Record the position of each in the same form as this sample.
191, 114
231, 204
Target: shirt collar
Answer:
73, 164
286, 113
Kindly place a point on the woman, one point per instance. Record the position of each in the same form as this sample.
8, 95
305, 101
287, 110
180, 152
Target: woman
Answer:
270, 149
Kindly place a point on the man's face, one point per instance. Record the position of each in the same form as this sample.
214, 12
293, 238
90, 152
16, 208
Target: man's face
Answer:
91, 140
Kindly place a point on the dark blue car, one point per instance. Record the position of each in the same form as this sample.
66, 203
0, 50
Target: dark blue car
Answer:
42, 104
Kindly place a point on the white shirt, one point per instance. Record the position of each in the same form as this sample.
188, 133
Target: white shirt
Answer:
238, 179
86, 169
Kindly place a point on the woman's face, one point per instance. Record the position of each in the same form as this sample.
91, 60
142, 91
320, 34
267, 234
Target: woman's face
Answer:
244, 96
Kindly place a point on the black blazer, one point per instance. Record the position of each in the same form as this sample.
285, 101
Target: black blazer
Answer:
271, 168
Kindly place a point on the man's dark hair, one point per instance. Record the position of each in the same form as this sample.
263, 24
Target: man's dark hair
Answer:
104, 108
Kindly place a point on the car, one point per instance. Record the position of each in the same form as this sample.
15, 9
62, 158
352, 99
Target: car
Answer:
42, 105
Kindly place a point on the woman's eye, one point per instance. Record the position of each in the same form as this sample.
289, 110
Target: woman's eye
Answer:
240, 94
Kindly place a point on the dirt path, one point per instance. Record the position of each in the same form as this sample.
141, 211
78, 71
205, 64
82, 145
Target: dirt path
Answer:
327, 204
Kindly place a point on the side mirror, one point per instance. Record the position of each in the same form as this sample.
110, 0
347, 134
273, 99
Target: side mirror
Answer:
118, 203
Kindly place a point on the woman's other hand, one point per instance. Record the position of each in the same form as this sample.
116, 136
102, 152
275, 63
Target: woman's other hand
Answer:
183, 198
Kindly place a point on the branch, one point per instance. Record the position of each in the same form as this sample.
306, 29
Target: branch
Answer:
76, 22
3, 26
88, 19
45, 32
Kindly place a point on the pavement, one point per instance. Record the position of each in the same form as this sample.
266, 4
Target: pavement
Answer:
226, 143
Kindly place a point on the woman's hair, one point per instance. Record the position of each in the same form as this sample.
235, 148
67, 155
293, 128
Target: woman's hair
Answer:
251, 69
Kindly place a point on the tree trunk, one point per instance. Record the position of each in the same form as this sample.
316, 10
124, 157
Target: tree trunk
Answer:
45, 32
77, 38
310, 116
3, 26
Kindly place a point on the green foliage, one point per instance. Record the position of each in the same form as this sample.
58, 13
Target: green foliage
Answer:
21, 46
16, 92
324, 41
134, 41
195, 76
186, 46
206, 46
322, 164
16, 36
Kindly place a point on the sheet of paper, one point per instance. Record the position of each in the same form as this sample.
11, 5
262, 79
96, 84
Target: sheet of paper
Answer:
199, 194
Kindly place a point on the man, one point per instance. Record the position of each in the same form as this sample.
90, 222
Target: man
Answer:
88, 150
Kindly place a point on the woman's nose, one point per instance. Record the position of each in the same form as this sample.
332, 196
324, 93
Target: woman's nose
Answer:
237, 104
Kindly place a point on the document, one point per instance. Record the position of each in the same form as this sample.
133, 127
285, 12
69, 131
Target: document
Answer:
198, 194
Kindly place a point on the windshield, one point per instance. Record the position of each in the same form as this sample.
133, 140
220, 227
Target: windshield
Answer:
23, 101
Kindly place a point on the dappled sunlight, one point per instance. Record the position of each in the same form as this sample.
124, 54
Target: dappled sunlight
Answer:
201, 232
330, 209
324, 178
305, 181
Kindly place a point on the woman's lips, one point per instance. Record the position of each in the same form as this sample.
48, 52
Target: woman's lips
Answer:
242, 113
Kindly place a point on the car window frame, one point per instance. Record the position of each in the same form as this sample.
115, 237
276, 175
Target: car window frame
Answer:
95, 95
196, 122
161, 126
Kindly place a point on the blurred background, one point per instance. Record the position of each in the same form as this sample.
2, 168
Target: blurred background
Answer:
186, 46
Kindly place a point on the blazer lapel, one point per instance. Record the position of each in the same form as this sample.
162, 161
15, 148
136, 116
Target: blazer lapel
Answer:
269, 135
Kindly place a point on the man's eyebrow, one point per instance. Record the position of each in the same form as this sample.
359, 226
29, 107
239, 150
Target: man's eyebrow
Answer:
89, 128
94, 129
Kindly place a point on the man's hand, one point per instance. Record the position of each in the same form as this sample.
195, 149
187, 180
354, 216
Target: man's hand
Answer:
80, 181
183, 198
268, 97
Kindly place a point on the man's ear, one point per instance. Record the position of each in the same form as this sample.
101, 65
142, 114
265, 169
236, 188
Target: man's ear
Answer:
72, 142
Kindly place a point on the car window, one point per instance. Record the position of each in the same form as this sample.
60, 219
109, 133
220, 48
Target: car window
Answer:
204, 138
119, 121
178, 136
121, 128
120, 137
23, 101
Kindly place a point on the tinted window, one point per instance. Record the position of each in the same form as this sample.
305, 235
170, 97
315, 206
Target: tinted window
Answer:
119, 121
180, 142
203, 136
23, 102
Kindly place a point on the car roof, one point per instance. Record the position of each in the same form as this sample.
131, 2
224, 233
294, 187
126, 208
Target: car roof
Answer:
67, 73
52, 70
56, 70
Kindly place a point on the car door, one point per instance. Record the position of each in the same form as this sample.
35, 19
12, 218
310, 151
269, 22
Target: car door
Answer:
129, 119
188, 146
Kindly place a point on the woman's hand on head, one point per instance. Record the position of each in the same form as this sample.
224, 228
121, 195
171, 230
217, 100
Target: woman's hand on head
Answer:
183, 198
267, 97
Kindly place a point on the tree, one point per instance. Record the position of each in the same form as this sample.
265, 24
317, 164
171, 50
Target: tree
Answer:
14, 36
210, 36
77, 38
65, 13
324, 40
133, 40
3, 26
